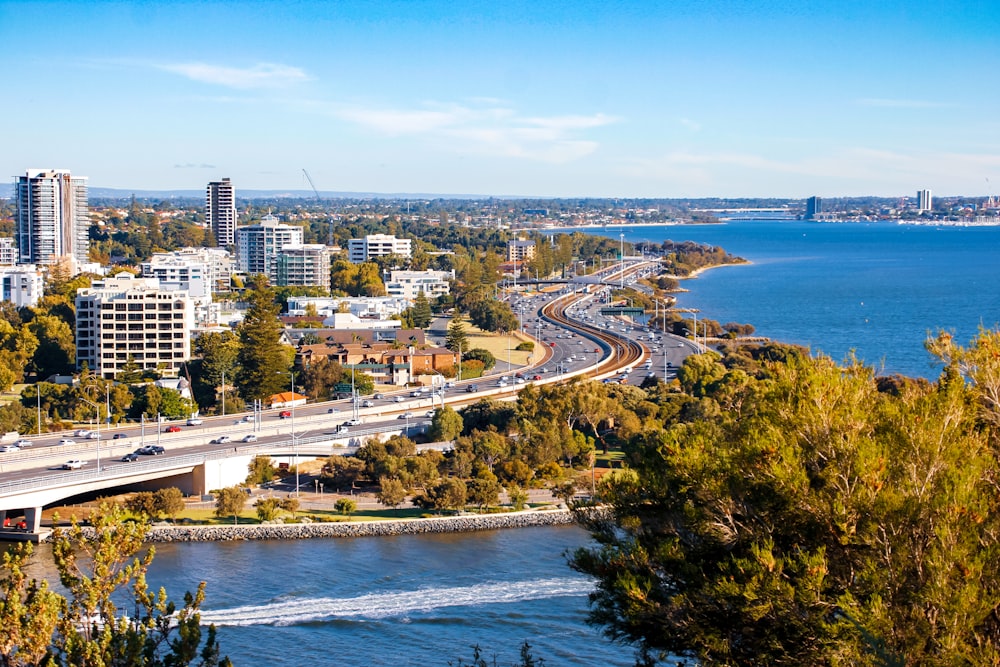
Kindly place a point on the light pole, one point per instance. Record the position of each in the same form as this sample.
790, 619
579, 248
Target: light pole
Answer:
622, 236
295, 446
38, 395
97, 406
223, 392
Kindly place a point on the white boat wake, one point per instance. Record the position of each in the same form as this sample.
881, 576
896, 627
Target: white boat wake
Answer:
389, 605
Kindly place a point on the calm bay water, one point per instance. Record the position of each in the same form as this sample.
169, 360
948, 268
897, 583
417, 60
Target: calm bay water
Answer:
875, 288
409, 600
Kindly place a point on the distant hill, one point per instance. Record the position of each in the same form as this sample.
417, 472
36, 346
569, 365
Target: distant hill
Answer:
7, 191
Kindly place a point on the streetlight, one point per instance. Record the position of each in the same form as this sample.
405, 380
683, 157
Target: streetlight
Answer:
97, 406
295, 447
622, 236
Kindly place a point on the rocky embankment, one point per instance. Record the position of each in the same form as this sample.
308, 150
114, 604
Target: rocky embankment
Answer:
301, 531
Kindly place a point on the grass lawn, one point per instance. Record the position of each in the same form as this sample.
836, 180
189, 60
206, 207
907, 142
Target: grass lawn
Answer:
497, 345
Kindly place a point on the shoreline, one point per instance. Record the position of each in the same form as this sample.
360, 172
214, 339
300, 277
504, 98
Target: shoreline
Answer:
348, 529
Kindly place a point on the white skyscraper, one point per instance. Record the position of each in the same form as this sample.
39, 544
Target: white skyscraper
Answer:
258, 246
924, 202
52, 223
220, 211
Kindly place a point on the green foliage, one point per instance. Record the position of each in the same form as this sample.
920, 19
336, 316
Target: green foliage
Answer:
800, 515
230, 501
345, 506
421, 312
391, 491
525, 346
261, 470
56, 350
268, 508
445, 425
457, 339
263, 361
480, 354
97, 567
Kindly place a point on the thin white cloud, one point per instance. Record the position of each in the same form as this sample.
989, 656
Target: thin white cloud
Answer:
901, 103
485, 130
692, 125
261, 75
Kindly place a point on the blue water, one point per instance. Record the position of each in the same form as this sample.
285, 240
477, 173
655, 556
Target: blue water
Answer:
876, 288
410, 600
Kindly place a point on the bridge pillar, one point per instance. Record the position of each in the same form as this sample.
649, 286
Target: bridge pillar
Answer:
33, 517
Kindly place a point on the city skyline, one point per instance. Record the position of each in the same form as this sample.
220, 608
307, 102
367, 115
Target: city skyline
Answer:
728, 99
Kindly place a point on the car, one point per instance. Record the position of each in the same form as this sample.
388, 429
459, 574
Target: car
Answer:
67, 441
150, 450
172, 429
472, 388
343, 429
284, 414
416, 394
119, 436
73, 464
405, 415
331, 411
368, 404
552, 344
536, 377
9, 449
22, 443
250, 438
352, 422
378, 397
651, 374
398, 399
248, 419
430, 413
131, 456
449, 385
82, 433
93, 435
195, 421
222, 439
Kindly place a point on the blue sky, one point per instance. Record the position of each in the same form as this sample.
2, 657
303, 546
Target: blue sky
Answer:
575, 98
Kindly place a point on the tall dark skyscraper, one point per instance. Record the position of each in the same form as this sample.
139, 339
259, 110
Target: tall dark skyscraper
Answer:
220, 211
814, 205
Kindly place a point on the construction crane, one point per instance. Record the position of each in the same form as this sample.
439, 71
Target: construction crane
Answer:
320, 202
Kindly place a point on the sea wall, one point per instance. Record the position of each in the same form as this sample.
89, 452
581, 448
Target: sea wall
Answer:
301, 531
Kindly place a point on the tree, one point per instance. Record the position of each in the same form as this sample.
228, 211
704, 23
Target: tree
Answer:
809, 519
345, 506
96, 567
267, 508
480, 354
456, 339
261, 470
56, 351
391, 492
230, 502
421, 311
445, 425
169, 502
262, 357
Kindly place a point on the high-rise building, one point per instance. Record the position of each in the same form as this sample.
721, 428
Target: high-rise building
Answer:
520, 250
125, 317
8, 251
220, 211
814, 206
377, 245
303, 265
258, 246
924, 202
52, 222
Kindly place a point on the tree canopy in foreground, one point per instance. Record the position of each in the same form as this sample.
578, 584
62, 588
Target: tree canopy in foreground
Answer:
810, 514
99, 569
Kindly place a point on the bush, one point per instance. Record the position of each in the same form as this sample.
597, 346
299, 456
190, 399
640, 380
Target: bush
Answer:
526, 346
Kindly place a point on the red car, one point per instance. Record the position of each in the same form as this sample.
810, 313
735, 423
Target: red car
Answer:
285, 413
172, 429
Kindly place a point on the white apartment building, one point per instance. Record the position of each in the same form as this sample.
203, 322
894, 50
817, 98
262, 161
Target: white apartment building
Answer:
408, 284
8, 251
22, 285
370, 307
304, 265
52, 222
179, 273
220, 211
125, 316
258, 246
925, 201
520, 250
377, 245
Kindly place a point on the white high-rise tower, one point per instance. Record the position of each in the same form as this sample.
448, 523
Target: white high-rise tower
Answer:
52, 222
924, 202
220, 211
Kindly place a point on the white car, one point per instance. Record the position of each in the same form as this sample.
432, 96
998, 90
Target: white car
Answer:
194, 421
250, 438
22, 443
398, 399
73, 464
82, 433
67, 441
405, 415
431, 413
9, 448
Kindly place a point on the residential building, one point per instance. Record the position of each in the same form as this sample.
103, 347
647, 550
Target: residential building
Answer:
407, 284
303, 265
520, 250
22, 285
8, 251
177, 272
362, 307
377, 245
258, 245
220, 211
125, 317
814, 206
924, 200
52, 222
387, 363
217, 262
